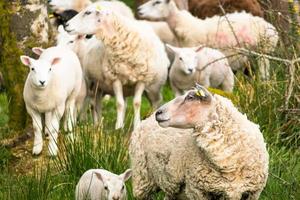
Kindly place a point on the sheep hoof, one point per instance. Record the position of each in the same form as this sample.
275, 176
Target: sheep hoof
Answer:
37, 149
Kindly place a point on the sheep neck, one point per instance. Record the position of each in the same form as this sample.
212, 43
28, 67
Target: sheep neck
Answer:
225, 143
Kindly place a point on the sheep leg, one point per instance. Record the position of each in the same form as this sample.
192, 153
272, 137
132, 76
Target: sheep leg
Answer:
97, 106
175, 90
155, 97
264, 68
37, 128
118, 91
52, 121
137, 100
228, 82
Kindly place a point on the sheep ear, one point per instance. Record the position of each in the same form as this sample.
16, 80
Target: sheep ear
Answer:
199, 48
26, 60
182, 4
55, 61
203, 93
170, 48
61, 29
37, 50
99, 176
126, 175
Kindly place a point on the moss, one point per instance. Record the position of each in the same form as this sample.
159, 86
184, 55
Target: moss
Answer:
15, 39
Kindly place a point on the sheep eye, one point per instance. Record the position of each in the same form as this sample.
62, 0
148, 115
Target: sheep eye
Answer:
122, 188
180, 58
32, 69
71, 41
156, 3
87, 13
105, 188
50, 69
189, 97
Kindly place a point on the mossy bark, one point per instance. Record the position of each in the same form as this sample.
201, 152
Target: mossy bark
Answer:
17, 38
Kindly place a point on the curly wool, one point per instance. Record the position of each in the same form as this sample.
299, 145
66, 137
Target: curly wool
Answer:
130, 53
226, 155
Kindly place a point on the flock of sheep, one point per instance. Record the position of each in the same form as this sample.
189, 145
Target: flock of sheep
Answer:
197, 146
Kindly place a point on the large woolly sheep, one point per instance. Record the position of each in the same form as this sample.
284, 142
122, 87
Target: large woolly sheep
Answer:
135, 58
100, 184
209, 8
214, 151
206, 66
221, 32
52, 85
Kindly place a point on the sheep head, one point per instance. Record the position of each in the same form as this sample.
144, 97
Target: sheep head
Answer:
187, 111
90, 20
157, 9
114, 185
185, 59
40, 70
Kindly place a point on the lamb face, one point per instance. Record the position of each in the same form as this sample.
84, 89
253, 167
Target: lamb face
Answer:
154, 9
61, 5
185, 59
186, 111
89, 20
40, 71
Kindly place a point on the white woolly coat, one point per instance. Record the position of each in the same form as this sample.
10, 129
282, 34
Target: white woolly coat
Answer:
225, 155
65, 81
134, 53
213, 70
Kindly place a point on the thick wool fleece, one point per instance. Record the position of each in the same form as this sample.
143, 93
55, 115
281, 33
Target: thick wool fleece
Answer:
225, 155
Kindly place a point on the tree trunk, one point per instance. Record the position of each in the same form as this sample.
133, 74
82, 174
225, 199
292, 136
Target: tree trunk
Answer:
23, 25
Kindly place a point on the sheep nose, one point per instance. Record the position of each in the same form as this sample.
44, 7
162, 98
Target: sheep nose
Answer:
191, 70
42, 82
139, 11
66, 25
116, 198
159, 112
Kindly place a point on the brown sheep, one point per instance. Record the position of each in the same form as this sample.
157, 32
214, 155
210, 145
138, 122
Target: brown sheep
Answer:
209, 8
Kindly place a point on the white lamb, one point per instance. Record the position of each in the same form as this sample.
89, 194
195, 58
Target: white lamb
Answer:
100, 184
52, 85
206, 66
214, 151
135, 59
221, 32
79, 5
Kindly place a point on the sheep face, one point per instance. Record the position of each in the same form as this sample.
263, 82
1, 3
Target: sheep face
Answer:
186, 111
89, 20
63, 38
154, 9
185, 59
40, 71
114, 187
61, 5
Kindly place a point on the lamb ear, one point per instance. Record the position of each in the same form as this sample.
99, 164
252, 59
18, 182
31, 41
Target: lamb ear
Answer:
199, 48
170, 48
61, 29
55, 61
126, 175
38, 50
99, 176
26, 60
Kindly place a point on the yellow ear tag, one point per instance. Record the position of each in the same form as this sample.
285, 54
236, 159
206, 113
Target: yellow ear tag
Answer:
200, 93
98, 8
50, 15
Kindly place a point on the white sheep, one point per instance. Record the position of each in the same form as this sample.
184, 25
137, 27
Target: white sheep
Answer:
79, 5
206, 66
51, 87
213, 151
135, 58
226, 32
100, 184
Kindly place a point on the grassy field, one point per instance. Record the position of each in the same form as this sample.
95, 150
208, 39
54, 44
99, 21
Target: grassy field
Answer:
24, 177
